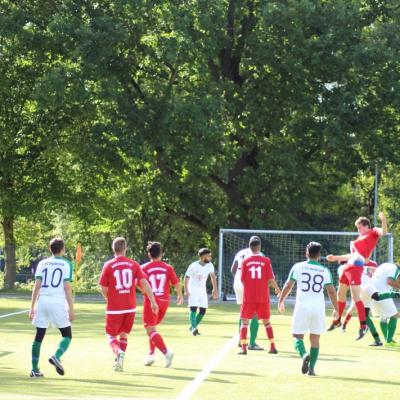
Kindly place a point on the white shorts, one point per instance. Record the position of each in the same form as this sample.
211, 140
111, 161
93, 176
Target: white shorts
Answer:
308, 317
384, 308
367, 290
198, 298
52, 311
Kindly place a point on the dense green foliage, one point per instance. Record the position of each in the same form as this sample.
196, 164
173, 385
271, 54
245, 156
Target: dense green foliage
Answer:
169, 119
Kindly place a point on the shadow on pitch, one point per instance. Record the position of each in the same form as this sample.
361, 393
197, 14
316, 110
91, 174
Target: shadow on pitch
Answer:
358, 380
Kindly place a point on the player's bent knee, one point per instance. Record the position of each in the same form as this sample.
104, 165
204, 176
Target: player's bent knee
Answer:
375, 296
193, 309
40, 333
202, 310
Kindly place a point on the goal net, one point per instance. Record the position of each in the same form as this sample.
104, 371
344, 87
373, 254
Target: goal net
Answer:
286, 248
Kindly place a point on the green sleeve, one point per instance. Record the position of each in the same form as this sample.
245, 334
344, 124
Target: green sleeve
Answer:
71, 270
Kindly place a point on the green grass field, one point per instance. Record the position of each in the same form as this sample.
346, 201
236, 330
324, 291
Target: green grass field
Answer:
346, 369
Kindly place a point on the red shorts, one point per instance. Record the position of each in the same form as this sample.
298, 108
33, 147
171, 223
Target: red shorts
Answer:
351, 276
151, 319
261, 310
118, 323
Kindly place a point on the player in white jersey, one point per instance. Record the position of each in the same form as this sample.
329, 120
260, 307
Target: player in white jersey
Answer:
236, 271
386, 278
309, 312
195, 288
52, 304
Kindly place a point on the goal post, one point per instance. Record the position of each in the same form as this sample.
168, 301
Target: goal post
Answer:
286, 248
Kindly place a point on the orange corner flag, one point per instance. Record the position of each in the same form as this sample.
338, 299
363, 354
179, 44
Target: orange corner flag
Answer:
78, 256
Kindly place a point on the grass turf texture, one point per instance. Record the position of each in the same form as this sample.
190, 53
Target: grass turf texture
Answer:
346, 369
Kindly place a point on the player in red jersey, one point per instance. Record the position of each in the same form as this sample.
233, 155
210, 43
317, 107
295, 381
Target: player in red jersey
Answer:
160, 275
257, 276
117, 282
361, 250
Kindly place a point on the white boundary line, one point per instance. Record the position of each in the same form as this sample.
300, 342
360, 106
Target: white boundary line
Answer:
14, 313
191, 388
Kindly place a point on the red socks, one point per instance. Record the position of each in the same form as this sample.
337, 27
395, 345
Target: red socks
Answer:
123, 344
341, 306
361, 313
114, 344
158, 341
270, 336
243, 336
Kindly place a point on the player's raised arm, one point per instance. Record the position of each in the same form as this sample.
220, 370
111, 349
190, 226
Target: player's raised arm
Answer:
384, 230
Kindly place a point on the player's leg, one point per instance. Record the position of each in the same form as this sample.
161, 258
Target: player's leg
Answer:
243, 335
348, 316
264, 313
384, 327
355, 289
301, 349
254, 325
372, 329
341, 297
392, 325
200, 315
192, 317
314, 352
37, 343
63, 345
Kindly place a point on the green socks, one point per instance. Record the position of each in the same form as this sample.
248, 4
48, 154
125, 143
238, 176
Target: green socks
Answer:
62, 347
299, 347
192, 319
388, 295
314, 351
35, 355
254, 324
391, 329
384, 328
371, 326
199, 317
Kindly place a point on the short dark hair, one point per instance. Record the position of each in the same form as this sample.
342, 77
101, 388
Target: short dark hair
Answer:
154, 249
363, 221
255, 241
204, 251
119, 244
56, 245
313, 249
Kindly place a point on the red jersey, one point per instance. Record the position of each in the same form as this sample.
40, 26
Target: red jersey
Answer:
119, 275
256, 272
365, 244
160, 275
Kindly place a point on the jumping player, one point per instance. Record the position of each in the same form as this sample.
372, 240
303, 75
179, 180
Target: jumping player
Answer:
51, 292
309, 312
117, 282
362, 249
257, 276
161, 276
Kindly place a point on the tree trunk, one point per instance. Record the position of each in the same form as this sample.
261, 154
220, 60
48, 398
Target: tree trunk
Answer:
11, 266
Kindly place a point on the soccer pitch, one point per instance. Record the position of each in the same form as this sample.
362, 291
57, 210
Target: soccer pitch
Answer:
346, 369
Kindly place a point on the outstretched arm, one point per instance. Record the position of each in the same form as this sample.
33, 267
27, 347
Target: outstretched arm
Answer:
384, 230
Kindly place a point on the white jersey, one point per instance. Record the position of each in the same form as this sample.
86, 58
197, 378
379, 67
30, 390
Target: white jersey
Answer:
53, 272
382, 274
198, 275
311, 278
241, 255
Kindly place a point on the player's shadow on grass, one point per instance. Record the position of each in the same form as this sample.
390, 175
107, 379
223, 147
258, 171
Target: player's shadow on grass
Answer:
326, 357
218, 372
177, 378
343, 378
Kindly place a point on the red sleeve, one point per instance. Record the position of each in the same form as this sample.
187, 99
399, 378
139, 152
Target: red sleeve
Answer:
104, 279
376, 232
270, 272
172, 276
